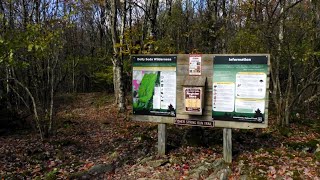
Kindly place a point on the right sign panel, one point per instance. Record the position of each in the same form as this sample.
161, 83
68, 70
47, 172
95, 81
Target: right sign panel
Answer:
239, 91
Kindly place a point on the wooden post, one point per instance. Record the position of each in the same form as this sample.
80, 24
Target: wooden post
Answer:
227, 145
162, 139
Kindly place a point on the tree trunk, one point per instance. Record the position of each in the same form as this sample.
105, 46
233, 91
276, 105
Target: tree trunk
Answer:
169, 7
73, 75
152, 22
288, 96
277, 93
34, 105
53, 66
119, 82
117, 56
8, 86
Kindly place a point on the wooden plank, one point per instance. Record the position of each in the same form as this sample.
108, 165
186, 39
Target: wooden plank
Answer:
195, 117
206, 59
238, 125
155, 119
162, 138
194, 81
182, 59
227, 145
181, 79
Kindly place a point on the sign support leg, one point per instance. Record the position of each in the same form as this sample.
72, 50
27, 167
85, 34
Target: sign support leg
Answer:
227, 145
162, 139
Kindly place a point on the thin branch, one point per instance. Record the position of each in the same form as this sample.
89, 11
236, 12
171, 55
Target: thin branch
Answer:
136, 4
33, 103
302, 91
312, 98
16, 92
310, 74
286, 10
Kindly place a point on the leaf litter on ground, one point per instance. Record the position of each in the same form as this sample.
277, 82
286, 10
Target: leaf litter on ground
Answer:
90, 135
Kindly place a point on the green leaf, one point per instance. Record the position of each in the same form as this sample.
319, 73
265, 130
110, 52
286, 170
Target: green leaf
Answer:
25, 64
11, 56
30, 46
37, 47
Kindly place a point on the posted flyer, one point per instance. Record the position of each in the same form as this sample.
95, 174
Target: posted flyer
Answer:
195, 64
192, 97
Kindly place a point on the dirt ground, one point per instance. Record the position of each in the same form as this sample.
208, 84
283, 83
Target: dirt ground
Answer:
93, 141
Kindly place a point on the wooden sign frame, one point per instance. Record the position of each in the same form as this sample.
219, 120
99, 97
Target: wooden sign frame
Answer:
207, 64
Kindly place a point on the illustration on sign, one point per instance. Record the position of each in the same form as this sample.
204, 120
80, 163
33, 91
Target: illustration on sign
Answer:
195, 64
154, 85
239, 88
192, 97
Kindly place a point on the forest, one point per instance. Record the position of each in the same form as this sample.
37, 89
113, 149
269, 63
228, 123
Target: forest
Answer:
66, 100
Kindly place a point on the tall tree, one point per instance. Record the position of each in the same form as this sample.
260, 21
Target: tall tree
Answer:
117, 58
152, 21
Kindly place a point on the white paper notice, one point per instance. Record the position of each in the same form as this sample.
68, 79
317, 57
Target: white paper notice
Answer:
195, 65
223, 96
249, 106
167, 89
156, 98
251, 85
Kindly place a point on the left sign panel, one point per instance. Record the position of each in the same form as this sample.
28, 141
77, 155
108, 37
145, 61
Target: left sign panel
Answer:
154, 85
